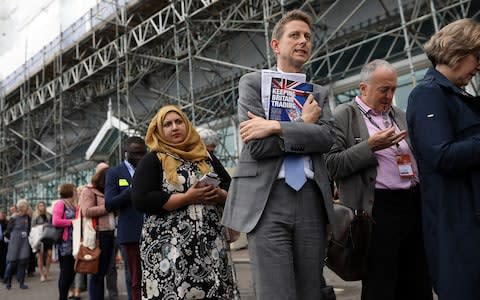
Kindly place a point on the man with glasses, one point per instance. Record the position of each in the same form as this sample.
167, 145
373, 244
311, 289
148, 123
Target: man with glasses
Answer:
375, 171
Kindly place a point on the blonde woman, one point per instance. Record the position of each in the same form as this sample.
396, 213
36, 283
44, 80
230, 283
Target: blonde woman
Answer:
44, 254
19, 249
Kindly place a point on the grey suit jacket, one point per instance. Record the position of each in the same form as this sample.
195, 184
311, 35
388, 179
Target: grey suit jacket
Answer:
351, 163
260, 160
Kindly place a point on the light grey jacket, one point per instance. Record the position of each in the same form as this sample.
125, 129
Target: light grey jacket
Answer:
351, 163
260, 160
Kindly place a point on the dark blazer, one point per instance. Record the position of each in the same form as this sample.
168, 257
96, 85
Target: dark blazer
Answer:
118, 198
261, 160
444, 128
3, 249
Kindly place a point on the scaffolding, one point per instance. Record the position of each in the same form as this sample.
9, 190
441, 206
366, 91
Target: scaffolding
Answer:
145, 54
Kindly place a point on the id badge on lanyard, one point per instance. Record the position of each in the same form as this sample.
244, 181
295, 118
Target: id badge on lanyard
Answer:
404, 164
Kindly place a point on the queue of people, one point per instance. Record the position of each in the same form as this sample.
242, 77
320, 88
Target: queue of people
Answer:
170, 202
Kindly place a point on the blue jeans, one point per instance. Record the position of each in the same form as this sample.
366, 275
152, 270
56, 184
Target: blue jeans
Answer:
20, 265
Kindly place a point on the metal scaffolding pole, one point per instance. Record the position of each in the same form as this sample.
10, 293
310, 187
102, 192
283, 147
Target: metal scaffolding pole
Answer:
138, 55
408, 49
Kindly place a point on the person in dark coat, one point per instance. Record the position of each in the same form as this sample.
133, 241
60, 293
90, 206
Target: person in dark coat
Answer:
19, 249
444, 127
3, 244
118, 188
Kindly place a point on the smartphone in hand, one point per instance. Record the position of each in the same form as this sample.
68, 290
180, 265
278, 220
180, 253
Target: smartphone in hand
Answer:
209, 179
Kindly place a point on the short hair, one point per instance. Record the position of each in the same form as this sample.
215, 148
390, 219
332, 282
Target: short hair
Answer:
453, 42
66, 190
368, 69
208, 136
132, 140
293, 15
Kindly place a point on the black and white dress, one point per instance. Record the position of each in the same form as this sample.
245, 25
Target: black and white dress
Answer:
184, 252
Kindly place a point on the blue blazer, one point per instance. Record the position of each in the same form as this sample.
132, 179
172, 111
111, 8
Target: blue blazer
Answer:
117, 198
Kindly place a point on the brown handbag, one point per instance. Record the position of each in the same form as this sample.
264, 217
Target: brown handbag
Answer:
87, 260
347, 250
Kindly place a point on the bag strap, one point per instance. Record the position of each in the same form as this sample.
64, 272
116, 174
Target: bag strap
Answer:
94, 220
80, 215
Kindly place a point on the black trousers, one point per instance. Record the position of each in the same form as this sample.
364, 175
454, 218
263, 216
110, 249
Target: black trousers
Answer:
397, 268
67, 275
3, 258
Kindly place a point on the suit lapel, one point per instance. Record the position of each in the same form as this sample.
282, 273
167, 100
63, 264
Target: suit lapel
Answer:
360, 130
125, 173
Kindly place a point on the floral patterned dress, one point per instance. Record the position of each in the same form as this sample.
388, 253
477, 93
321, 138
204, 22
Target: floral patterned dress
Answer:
184, 253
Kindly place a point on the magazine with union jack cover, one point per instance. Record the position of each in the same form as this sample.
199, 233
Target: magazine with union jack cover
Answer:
267, 75
287, 98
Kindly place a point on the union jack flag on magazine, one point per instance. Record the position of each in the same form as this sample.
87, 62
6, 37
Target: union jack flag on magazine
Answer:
287, 98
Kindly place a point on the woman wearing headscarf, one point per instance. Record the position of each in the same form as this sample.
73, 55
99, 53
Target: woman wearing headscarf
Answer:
19, 249
444, 127
44, 254
183, 248
92, 203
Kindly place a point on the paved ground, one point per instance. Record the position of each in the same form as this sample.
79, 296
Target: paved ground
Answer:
48, 290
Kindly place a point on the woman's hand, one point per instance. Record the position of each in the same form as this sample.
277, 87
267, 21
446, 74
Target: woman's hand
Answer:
199, 193
208, 194
196, 194
217, 196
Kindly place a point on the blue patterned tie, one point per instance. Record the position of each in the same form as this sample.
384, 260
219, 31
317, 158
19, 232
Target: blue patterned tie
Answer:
294, 173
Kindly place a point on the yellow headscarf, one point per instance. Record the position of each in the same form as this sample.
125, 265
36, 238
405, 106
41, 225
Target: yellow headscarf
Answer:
191, 149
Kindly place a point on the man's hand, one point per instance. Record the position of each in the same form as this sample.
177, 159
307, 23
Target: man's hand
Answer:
258, 128
385, 138
311, 111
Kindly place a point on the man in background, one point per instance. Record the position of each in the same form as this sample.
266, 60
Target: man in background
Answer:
130, 222
3, 244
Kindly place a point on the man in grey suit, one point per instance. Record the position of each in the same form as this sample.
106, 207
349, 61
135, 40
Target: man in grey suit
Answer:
285, 227
375, 171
